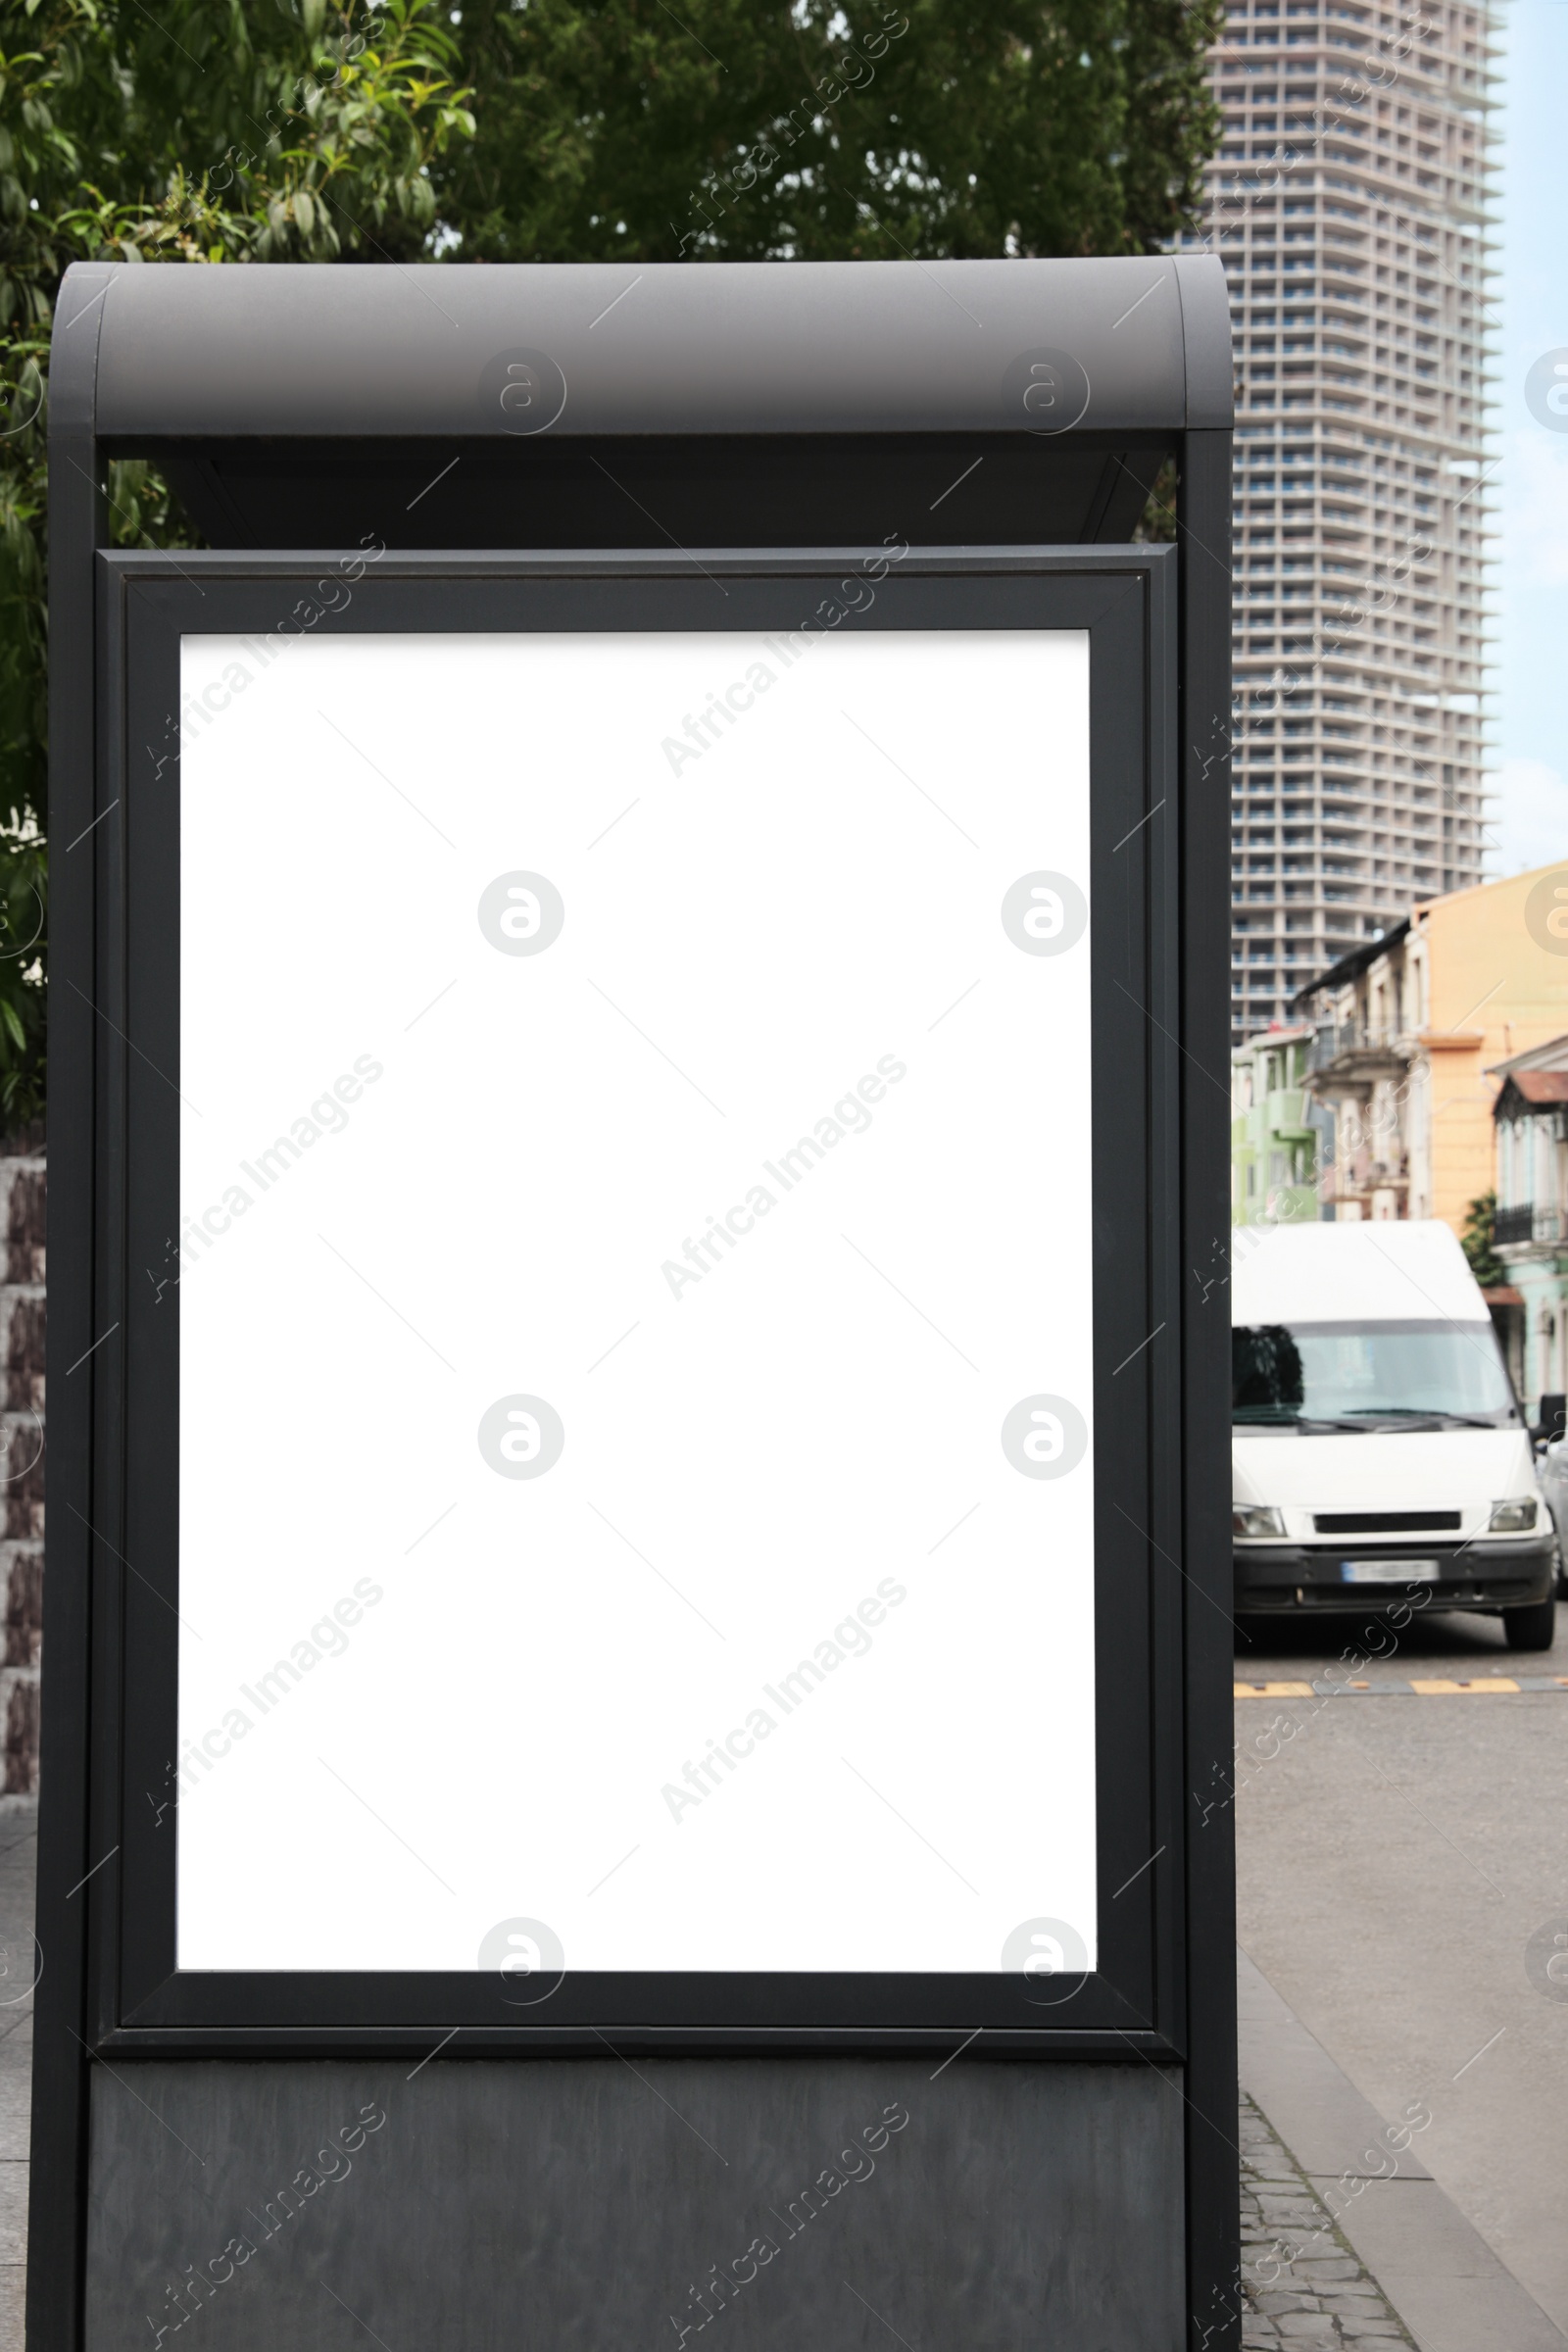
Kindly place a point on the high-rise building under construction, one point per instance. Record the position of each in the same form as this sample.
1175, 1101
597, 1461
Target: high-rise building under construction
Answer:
1351, 205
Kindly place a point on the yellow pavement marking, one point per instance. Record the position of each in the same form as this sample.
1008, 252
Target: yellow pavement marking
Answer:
1493, 1682
1479, 1688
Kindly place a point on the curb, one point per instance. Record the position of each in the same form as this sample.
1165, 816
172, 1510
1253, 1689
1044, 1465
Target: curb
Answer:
1431, 2264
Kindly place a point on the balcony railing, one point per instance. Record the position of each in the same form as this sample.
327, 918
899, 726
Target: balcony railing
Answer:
1522, 1221
1332, 1041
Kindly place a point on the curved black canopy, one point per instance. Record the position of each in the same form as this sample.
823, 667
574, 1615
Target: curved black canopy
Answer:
301, 405
810, 347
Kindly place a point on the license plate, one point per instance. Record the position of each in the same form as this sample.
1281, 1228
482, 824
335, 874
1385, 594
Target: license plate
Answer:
1387, 1572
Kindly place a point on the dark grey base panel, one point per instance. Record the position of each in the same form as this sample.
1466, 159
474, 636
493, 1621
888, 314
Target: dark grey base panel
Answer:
512, 2206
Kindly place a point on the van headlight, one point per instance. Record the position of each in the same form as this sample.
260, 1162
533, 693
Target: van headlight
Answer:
1260, 1519
1510, 1518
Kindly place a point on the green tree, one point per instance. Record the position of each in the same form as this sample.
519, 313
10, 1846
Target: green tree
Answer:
1478, 1245
203, 134
624, 131
223, 132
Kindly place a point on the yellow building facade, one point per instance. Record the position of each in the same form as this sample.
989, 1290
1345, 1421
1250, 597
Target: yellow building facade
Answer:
1407, 1033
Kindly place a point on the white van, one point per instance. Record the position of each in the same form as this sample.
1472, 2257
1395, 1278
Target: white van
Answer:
1378, 1449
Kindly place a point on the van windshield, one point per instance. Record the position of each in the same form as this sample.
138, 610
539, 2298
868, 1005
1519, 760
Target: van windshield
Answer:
1367, 1375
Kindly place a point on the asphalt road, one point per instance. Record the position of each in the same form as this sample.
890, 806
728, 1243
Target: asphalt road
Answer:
1395, 1856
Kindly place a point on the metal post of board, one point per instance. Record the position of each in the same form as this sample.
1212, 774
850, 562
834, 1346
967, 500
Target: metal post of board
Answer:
742, 755
1212, 2159
78, 527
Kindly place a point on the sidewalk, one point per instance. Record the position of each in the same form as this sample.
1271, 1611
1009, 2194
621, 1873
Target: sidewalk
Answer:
18, 1844
1300, 2278
1332, 2254
1440, 2280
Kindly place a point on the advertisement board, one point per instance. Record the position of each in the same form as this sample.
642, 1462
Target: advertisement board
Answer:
619, 1349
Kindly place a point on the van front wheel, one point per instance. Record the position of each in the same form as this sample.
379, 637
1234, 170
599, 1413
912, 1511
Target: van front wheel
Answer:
1531, 1628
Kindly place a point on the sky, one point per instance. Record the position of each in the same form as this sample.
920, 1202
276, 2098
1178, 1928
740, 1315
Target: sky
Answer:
1529, 819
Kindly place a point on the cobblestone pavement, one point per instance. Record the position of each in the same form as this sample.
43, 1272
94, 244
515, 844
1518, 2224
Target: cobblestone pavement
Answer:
19, 1840
1301, 2283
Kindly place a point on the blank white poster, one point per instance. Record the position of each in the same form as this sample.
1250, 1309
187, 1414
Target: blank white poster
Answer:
636, 1448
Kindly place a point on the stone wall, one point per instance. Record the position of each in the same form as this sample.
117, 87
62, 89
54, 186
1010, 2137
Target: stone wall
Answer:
21, 1438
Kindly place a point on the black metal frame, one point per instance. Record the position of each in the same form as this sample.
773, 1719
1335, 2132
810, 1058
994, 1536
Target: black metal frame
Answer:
1209, 2085
1125, 601
77, 2029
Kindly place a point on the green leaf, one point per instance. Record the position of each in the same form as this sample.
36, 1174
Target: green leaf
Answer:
214, 132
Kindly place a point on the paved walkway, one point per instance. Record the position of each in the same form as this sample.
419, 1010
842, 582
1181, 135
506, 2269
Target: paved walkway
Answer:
18, 1847
1379, 2208
1332, 2254
1301, 2283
